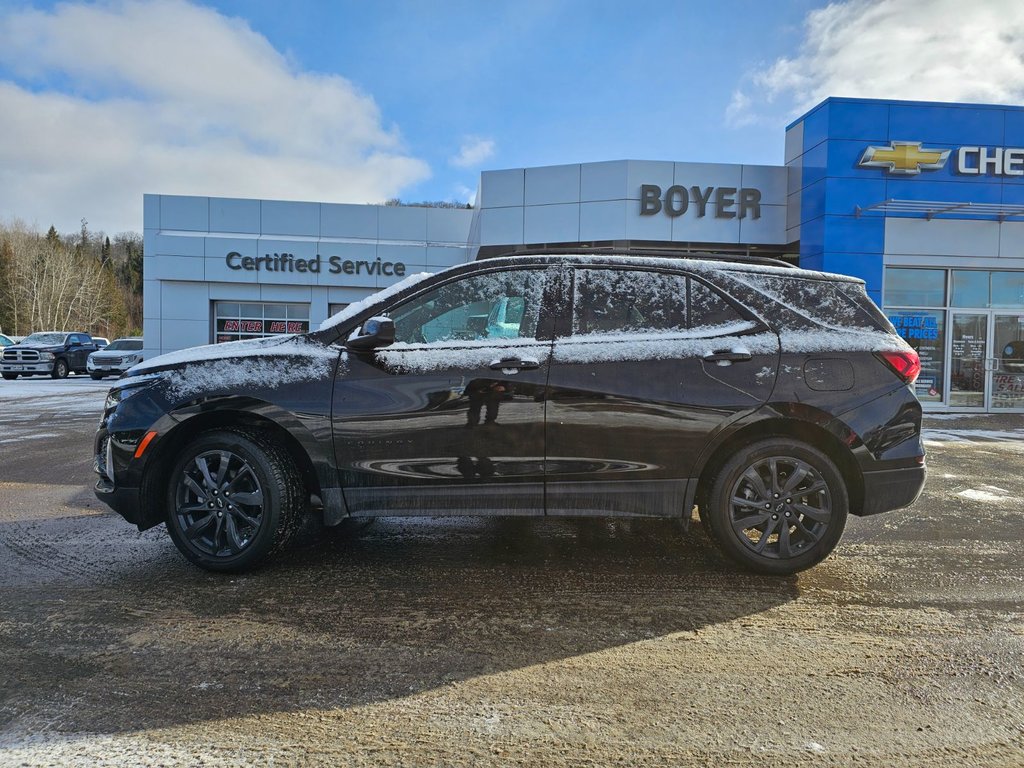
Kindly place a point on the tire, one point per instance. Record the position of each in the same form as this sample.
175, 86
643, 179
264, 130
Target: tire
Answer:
253, 510
96, 376
777, 530
10, 376
60, 369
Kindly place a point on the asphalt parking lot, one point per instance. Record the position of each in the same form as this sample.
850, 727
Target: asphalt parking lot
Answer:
507, 642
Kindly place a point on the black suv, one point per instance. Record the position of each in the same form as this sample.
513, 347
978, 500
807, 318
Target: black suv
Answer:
773, 399
52, 353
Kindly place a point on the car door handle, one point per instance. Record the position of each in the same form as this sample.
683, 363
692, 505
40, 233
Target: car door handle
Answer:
727, 356
524, 364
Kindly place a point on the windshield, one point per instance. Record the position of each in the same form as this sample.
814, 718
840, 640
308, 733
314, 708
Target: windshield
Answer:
45, 338
125, 344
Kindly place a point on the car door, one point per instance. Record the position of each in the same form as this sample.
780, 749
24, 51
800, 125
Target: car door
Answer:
649, 365
77, 351
450, 418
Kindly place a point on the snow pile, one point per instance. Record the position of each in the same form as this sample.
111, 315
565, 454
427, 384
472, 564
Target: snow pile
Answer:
352, 310
988, 493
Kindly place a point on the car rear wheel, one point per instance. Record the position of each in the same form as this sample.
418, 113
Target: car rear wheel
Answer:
60, 369
232, 500
777, 507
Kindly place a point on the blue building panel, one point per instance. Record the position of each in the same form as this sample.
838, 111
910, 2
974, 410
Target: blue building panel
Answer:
946, 124
858, 120
854, 234
843, 196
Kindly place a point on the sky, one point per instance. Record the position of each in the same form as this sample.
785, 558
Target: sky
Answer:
359, 102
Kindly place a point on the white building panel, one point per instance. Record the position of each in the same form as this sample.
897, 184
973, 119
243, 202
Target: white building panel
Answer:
501, 226
605, 220
284, 217
707, 175
941, 237
348, 221
770, 229
448, 225
185, 301
501, 189
184, 213
552, 223
234, 215
551, 185
604, 181
178, 245
402, 223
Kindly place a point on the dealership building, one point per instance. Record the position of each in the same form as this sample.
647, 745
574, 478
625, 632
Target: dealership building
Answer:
923, 201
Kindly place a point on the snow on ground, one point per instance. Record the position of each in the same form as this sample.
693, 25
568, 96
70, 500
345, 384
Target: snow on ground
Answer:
36, 387
972, 435
29, 406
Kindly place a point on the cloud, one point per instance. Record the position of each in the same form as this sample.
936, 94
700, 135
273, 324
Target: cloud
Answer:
926, 50
101, 103
473, 151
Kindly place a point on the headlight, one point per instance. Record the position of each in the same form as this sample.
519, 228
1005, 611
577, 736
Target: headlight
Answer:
131, 386
46, 355
130, 359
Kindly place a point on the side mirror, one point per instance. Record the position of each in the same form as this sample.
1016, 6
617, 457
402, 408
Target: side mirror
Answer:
376, 332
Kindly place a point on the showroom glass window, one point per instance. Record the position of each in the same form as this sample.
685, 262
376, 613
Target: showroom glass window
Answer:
234, 320
910, 295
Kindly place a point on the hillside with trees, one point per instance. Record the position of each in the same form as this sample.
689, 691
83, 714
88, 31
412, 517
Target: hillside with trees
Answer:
79, 282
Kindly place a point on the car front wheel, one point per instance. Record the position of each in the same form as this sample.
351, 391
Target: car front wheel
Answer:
60, 369
232, 500
777, 506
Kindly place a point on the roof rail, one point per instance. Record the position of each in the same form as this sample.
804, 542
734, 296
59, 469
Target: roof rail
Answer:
651, 252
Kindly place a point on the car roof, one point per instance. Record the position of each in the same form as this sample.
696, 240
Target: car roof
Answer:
708, 263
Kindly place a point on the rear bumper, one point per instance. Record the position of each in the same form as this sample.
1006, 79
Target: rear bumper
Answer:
889, 489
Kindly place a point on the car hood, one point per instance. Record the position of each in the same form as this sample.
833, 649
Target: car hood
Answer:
38, 347
260, 364
210, 353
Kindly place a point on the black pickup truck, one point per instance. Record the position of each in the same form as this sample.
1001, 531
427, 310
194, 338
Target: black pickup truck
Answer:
56, 353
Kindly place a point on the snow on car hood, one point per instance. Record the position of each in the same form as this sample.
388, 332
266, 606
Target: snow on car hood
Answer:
264, 363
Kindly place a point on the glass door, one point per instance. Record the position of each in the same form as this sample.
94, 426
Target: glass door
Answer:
968, 357
1007, 364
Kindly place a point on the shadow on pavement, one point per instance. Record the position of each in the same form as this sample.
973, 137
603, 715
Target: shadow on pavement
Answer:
106, 631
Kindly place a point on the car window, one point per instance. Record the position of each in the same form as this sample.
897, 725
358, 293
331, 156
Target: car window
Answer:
497, 305
626, 301
709, 309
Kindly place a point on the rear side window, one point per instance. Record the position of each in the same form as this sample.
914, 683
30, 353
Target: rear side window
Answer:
709, 309
628, 301
638, 301
838, 305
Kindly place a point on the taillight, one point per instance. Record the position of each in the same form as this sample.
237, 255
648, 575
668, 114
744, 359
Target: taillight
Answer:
906, 365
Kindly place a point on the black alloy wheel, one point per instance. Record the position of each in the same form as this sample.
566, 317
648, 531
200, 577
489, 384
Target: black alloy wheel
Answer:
60, 369
232, 499
778, 506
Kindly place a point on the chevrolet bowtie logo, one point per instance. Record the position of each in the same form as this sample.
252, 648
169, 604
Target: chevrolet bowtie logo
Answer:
904, 157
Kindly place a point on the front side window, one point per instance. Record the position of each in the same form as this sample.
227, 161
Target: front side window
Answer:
497, 305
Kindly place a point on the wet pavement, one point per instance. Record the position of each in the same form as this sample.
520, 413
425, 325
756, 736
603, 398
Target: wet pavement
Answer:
509, 642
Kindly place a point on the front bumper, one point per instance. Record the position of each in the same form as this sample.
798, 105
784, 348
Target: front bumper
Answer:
26, 368
889, 489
